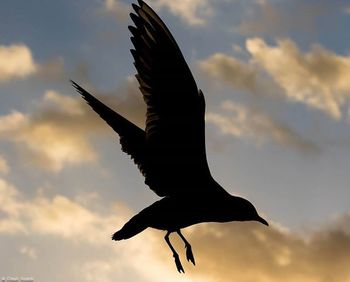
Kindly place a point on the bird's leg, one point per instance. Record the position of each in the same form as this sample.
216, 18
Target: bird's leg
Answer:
189, 254
175, 254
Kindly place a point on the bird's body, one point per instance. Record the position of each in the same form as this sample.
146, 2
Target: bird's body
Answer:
170, 152
175, 213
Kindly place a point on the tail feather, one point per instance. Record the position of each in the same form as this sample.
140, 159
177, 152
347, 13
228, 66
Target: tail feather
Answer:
130, 229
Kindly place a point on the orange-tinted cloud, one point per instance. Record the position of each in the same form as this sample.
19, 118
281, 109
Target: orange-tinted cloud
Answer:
58, 132
236, 251
247, 252
16, 61
317, 78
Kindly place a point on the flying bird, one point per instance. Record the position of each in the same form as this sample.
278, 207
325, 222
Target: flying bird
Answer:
170, 153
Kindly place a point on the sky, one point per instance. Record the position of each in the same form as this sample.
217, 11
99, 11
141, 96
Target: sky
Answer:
276, 78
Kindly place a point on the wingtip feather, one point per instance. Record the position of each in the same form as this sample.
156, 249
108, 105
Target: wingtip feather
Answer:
134, 17
135, 7
80, 89
73, 82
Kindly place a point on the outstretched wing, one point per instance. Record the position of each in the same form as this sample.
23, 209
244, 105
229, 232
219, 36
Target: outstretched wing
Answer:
175, 136
132, 138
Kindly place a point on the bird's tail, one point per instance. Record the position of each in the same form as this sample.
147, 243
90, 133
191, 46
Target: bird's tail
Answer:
133, 227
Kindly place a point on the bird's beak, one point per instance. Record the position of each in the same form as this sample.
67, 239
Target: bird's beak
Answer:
263, 221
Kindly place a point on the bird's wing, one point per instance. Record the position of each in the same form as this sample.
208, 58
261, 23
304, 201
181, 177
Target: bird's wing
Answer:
132, 138
175, 136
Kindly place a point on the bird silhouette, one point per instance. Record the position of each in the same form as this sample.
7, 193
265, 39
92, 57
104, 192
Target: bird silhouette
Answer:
170, 153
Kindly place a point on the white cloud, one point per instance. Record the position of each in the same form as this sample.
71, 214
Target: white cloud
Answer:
8, 195
117, 9
11, 208
66, 104
236, 73
11, 226
52, 136
61, 218
244, 122
58, 131
193, 12
16, 61
221, 250
318, 78
269, 254
45, 142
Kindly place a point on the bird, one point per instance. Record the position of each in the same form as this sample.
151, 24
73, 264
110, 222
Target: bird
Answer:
170, 152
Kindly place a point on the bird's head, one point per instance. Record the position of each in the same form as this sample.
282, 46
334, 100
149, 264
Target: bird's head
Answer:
243, 210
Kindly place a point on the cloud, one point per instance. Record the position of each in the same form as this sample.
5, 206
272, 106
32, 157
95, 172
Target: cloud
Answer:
117, 9
252, 252
240, 75
63, 217
193, 12
16, 61
58, 132
318, 78
59, 216
4, 168
8, 194
66, 221
9, 207
129, 103
222, 251
281, 18
244, 122
45, 142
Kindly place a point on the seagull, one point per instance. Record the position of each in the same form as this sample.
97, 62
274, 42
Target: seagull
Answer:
170, 153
